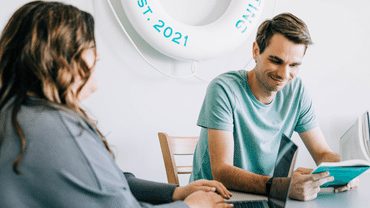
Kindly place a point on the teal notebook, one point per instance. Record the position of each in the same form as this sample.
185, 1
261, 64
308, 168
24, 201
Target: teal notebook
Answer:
343, 172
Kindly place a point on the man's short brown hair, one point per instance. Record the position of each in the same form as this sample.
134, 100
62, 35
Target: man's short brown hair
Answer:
290, 26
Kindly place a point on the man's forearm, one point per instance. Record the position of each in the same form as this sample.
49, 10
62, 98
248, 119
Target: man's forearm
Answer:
328, 157
237, 179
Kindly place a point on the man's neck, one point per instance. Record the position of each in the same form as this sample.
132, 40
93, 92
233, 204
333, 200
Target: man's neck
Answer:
258, 90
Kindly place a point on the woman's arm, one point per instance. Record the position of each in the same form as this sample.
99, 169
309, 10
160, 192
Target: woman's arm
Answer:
148, 191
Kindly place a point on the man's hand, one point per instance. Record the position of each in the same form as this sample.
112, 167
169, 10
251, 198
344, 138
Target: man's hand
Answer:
305, 186
181, 193
202, 199
351, 185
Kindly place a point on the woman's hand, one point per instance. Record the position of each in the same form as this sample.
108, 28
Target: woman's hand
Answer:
181, 193
202, 199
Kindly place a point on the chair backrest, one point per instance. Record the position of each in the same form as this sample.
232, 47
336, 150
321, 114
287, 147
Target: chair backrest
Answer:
171, 146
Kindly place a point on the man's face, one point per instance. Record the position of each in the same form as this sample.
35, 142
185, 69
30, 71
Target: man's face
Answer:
278, 64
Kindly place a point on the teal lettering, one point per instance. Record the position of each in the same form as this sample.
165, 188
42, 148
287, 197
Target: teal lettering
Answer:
253, 6
149, 10
186, 40
238, 24
141, 3
244, 29
246, 16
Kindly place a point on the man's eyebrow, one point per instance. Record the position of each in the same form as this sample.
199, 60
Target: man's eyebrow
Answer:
276, 58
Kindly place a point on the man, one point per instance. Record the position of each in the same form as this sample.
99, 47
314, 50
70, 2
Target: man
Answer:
244, 115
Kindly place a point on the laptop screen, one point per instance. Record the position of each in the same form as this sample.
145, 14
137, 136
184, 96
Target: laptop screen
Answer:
282, 173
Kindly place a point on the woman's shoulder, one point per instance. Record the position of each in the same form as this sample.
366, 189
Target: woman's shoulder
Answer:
36, 119
44, 126
56, 145
41, 114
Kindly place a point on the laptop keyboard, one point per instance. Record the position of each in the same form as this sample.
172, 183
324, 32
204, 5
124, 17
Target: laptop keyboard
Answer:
248, 204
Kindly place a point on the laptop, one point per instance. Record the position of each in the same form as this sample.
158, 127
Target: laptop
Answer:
282, 177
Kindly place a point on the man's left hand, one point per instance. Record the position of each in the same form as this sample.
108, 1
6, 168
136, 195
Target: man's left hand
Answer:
351, 185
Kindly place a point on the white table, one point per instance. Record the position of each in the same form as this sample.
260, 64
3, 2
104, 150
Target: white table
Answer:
326, 198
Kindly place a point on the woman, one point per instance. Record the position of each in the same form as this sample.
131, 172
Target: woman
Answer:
51, 153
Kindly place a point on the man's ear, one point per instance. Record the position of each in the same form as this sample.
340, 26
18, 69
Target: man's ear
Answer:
256, 50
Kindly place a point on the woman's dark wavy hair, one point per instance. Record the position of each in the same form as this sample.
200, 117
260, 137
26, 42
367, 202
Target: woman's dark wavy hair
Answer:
40, 53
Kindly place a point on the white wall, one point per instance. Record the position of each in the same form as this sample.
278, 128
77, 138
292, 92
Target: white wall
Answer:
135, 102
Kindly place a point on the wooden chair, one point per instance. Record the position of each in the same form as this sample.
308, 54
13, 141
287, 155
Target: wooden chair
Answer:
171, 146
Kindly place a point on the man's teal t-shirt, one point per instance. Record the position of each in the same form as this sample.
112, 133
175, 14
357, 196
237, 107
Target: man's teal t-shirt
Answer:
257, 128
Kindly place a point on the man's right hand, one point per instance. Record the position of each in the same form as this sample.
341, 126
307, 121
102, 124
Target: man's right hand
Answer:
202, 199
305, 185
